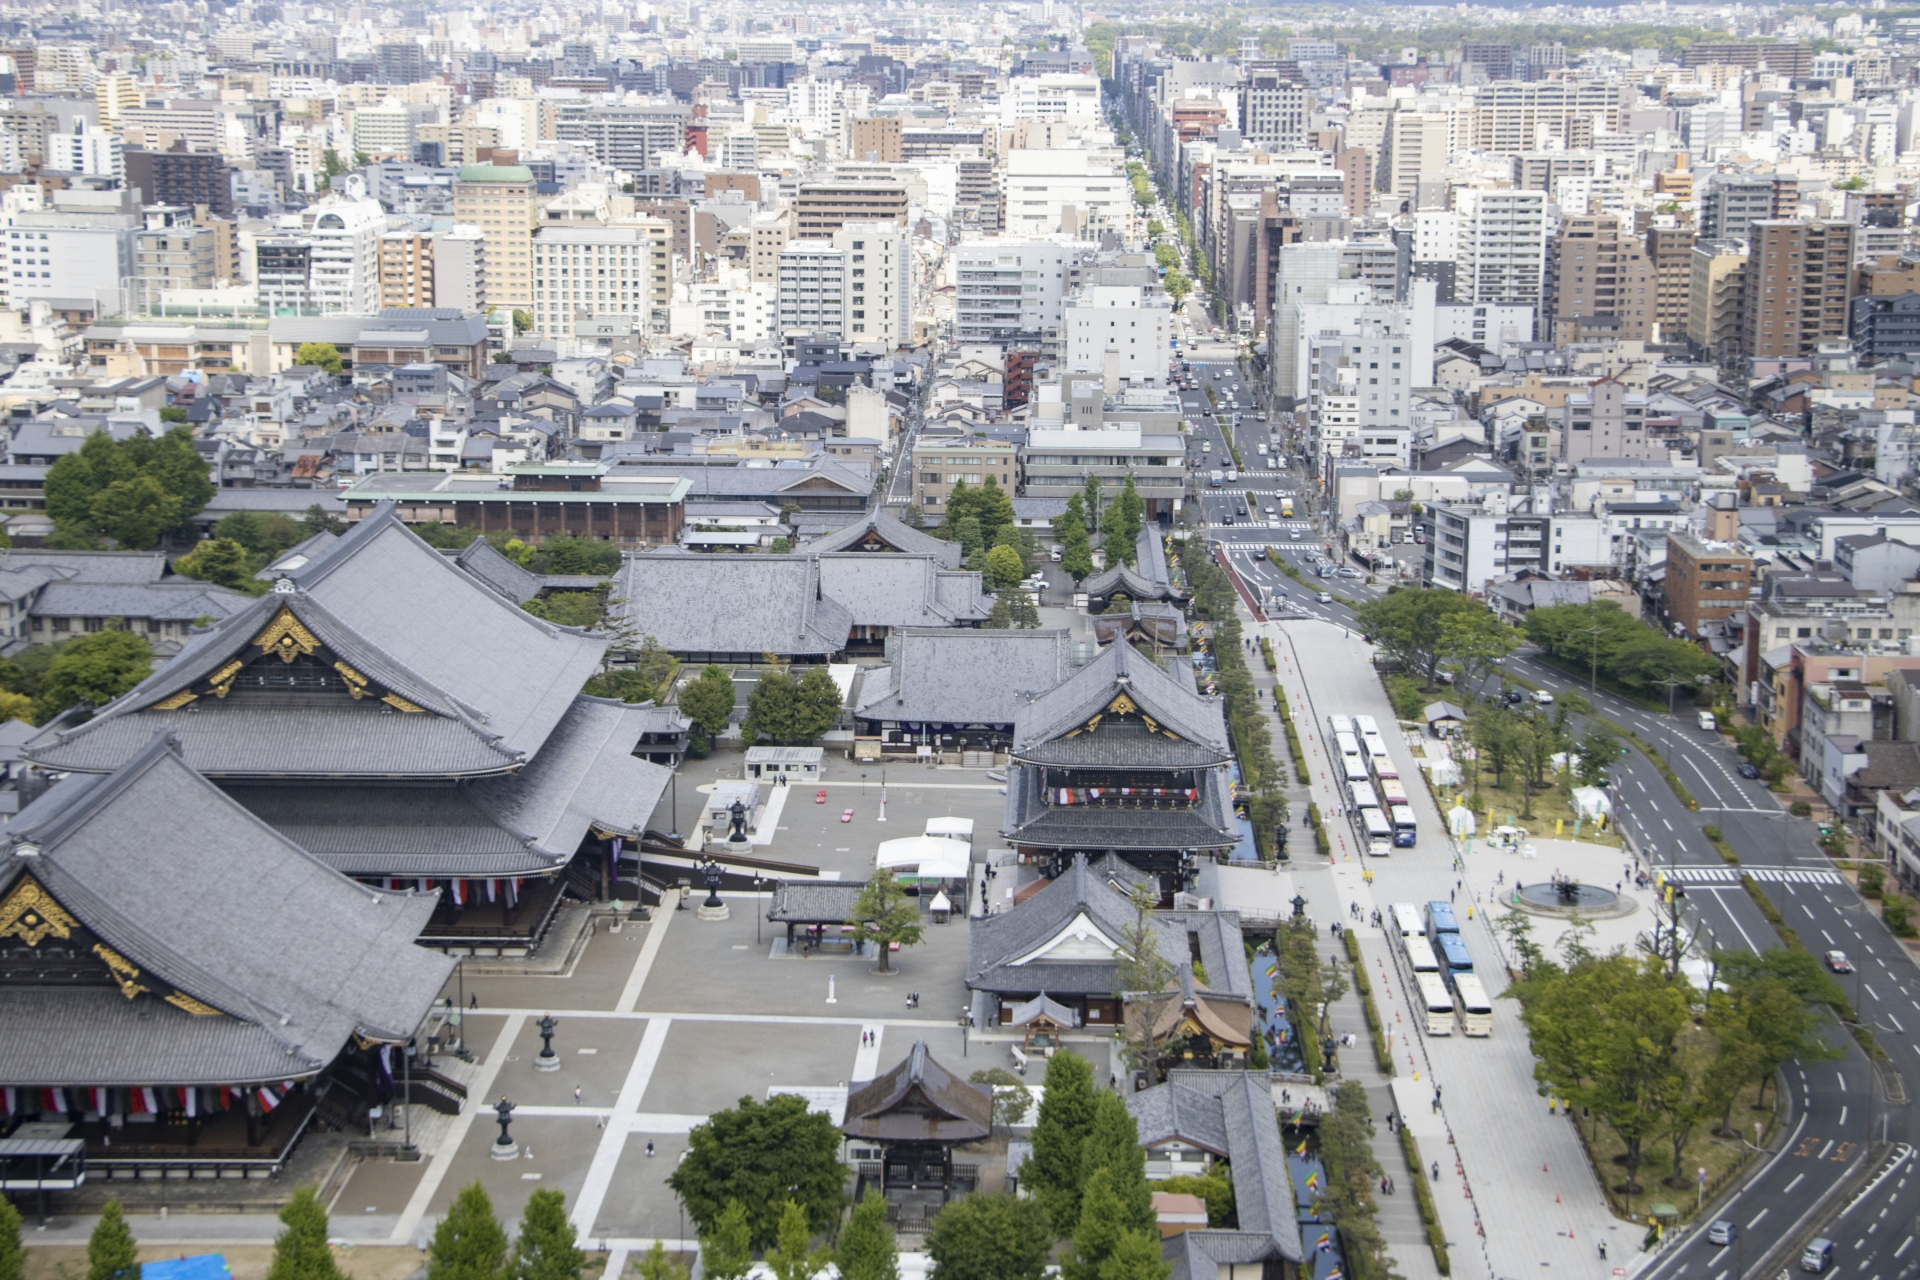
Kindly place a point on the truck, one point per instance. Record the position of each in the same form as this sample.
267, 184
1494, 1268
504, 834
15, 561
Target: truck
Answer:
1706, 721
1286, 507
1216, 478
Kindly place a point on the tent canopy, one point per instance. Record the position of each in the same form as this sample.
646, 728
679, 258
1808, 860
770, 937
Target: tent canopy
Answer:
931, 857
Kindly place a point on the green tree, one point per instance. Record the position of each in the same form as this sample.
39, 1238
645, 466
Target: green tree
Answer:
1352, 1171
1098, 1233
1777, 1006
762, 1154
13, 1258
1409, 625
789, 711
1604, 1032
1141, 978
1091, 504
97, 489
1004, 568
301, 1252
1136, 1256
726, 1252
708, 700
1011, 1097
93, 669
135, 512
780, 547
1124, 518
866, 1250
1113, 1145
1215, 1187
522, 321
111, 1252
469, 1243
223, 563
793, 1256
584, 609
319, 355
883, 914
981, 1237
1051, 1172
1597, 750
547, 1248
1478, 642
656, 1264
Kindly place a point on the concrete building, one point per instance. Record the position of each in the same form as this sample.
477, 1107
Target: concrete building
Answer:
1079, 194
1717, 299
1732, 202
585, 269
502, 202
1502, 246
822, 208
1274, 111
170, 252
813, 287
1132, 322
86, 150
1607, 420
1006, 288
345, 257
879, 138
939, 464
406, 269
1597, 272
879, 288
1799, 281
1706, 581
1670, 254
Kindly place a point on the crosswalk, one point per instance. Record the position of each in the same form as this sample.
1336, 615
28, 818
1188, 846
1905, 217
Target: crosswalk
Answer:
1766, 875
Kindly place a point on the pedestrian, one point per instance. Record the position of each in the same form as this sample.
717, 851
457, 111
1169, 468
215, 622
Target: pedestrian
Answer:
650, 1150
1603, 1251
474, 1002
1436, 1171
576, 1095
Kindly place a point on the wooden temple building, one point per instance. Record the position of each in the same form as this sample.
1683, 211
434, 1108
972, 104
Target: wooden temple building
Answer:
1057, 952
183, 988
407, 723
903, 1125
1121, 758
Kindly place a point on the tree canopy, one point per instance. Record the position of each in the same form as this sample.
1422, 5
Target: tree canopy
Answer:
301, 1252
318, 355
791, 712
708, 700
990, 1237
1603, 637
111, 1252
469, 1243
135, 491
726, 1251
93, 669
1410, 625
866, 1249
548, 1247
762, 1155
1052, 1171
884, 915
13, 1257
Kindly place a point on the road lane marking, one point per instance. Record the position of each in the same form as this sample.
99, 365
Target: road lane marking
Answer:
1868, 987
1791, 1185
1903, 1246
1843, 1117
1756, 1219
1896, 1024
1843, 1081
1826, 935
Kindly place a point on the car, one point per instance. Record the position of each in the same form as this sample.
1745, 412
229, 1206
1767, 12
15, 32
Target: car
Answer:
1267, 510
1324, 597
1722, 1232
1514, 697
1419, 535
1748, 769
1838, 962
1347, 571
1818, 1254
1227, 519
1055, 554
1542, 698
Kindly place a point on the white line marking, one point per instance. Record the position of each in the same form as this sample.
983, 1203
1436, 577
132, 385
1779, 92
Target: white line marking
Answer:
606, 1157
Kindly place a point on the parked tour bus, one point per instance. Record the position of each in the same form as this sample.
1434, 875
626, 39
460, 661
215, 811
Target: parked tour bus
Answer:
1406, 832
1437, 1001
1362, 797
1440, 919
1470, 998
1420, 955
1392, 792
1340, 724
1379, 832
1366, 724
1453, 953
1375, 747
1406, 919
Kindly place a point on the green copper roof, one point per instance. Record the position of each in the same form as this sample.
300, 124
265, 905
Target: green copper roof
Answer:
496, 173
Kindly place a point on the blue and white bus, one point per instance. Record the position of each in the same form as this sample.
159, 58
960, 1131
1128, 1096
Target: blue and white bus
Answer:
1440, 919
1405, 832
1453, 954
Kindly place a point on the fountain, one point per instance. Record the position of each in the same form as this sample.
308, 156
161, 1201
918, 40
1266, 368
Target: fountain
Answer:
1562, 895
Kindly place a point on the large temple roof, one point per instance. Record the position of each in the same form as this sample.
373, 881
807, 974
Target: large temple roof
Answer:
374, 656
223, 953
1177, 727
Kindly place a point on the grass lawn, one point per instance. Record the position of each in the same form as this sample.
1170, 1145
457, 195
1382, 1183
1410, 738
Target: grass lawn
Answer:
1723, 1158
1549, 806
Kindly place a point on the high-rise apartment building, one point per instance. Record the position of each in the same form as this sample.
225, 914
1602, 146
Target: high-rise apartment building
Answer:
283, 273
406, 268
1716, 298
180, 176
345, 260
1607, 420
1514, 117
879, 138
633, 135
460, 268
813, 287
1670, 252
879, 282
1799, 278
1133, 321
170, 252
1502, 246
1732, 202
501, 201
1595, 270
767, 235
86, 150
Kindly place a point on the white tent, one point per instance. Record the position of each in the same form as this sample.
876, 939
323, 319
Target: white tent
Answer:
1460, 821
952, 829
1591, 802
929, 857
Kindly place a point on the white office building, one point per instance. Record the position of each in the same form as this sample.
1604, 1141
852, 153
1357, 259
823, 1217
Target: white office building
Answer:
583, 269
345, 254
86, 150
1132, 322
1003, 287
813, 287
1075, 193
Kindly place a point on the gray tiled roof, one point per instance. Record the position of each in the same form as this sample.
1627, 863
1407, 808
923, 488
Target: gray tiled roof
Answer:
995, 942
146, 858
1031, 820
181, 600
124, 567
1088, 691
919, 1101
814, 901
964, 675
694, 603
1230, 1112
480, 559
894, 532
902, 590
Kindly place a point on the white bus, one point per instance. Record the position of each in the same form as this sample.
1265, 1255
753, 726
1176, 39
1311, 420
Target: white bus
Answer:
1379, 832
1420, 954
1406, 832
1374, 745
1476, 1011
1361, 794
1366, 724
1340, 724
1438, 1002
1354, 768
1406, 919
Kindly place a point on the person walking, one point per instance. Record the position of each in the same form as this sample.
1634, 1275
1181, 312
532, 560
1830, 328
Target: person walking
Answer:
650, 1150
1436, 1171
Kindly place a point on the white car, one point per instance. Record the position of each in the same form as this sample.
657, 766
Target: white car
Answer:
1542, 698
